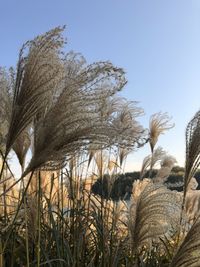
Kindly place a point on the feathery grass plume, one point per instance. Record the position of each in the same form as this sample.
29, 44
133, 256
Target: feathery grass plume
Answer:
39, 71
101, 161
6, 97
110, 105
125, 126
188, 254
121, 115
192, 205
72, 122
153, 159
159, 123
21, 146
22, 143
145, 165
152, 215
116, 108
100, 79
167, 164
192, 161
138, 187
123, 153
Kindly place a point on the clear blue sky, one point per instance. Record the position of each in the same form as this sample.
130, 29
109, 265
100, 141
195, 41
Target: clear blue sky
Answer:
157, 42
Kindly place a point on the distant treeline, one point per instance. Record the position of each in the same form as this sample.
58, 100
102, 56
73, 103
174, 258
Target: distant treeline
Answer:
120, 186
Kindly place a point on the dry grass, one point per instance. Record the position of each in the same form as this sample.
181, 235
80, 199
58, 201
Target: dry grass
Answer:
67, 112
159, 123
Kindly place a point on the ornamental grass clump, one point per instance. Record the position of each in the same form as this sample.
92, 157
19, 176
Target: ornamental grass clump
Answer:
66, 115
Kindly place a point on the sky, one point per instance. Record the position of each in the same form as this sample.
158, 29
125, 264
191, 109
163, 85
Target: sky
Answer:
156, 42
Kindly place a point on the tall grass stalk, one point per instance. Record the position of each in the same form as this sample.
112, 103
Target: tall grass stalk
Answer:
11, 226
39, 219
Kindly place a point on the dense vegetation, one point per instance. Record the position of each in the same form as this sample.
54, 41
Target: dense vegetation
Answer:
68, 116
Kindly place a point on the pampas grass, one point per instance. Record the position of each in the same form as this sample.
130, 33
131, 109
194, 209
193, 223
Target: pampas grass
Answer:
150, 215
67, 111
158, 124
192, 149
167, 163
21, 146
151, 160
73, 122
38, 73
188, 254
6, 96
